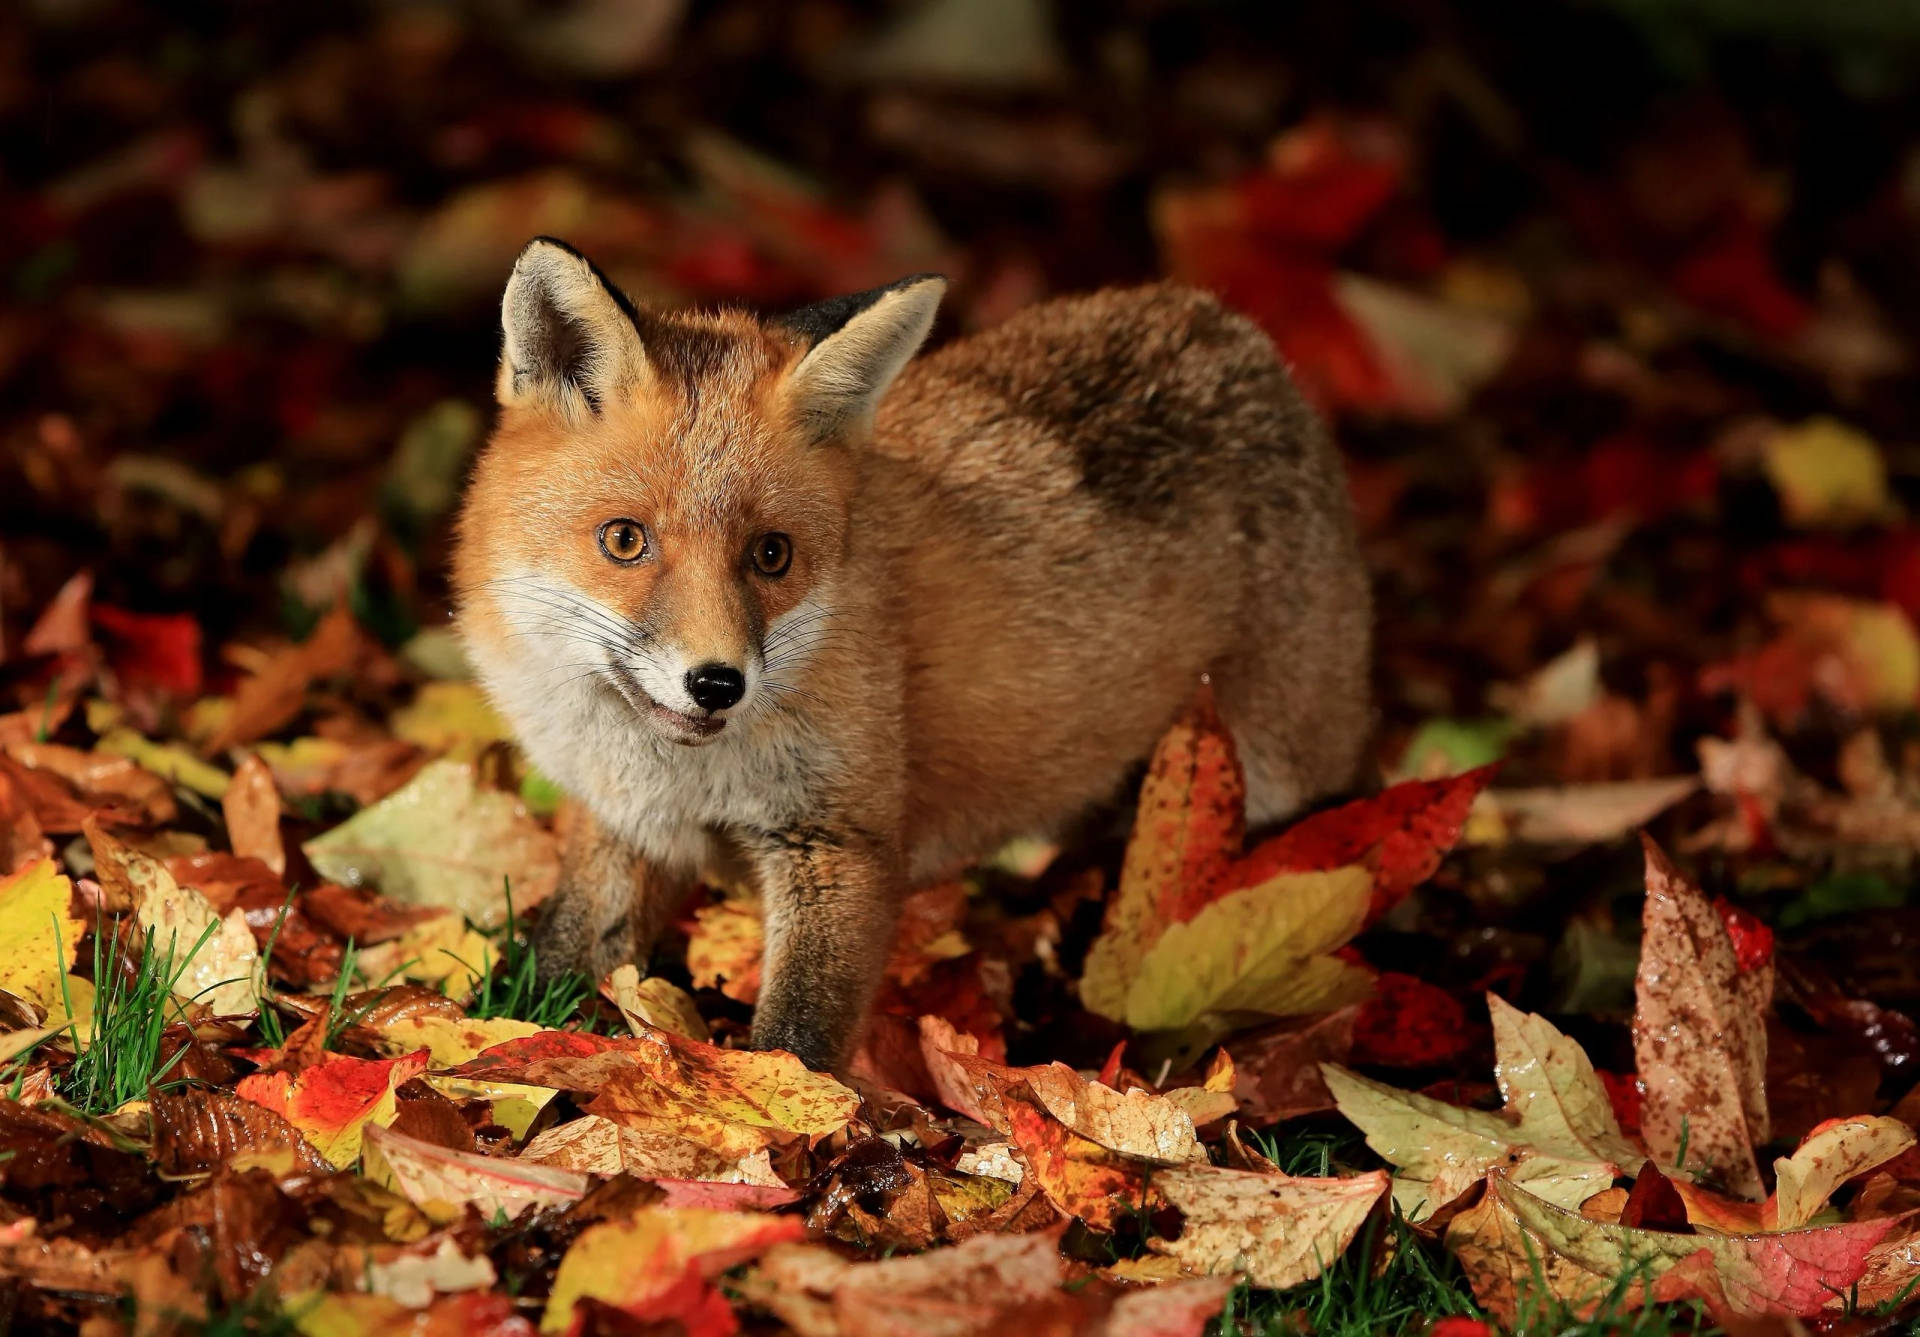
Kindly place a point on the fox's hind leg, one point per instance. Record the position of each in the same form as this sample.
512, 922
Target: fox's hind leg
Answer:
1298, 699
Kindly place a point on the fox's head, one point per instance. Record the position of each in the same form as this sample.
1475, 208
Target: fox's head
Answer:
661, 513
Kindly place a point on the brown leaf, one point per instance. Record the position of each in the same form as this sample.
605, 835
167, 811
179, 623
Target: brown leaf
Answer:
1699, 1035
252, 809
273, 696
1277, 1068
200, 1129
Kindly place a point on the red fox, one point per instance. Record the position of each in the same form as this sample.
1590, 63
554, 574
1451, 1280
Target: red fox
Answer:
766, 591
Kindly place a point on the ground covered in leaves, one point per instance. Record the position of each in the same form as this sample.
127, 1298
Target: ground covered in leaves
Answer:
1597, 1017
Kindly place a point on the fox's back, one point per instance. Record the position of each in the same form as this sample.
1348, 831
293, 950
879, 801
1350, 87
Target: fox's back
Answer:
1083, 510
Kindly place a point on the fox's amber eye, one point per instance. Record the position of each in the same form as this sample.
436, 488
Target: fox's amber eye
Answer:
624, 540
773, 554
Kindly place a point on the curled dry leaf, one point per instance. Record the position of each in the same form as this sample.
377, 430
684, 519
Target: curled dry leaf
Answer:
1829, 1156
199, 1129
1699, 1035
1277, 1230
251, 806
443, 839
442, 1182
653, 1002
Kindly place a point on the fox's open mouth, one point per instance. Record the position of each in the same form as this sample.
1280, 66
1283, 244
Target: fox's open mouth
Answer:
678, 725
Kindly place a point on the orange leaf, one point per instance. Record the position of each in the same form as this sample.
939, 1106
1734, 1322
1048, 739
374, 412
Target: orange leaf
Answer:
333, 1101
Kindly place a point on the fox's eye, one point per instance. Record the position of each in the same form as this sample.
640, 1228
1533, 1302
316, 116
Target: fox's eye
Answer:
773, 554
623, 540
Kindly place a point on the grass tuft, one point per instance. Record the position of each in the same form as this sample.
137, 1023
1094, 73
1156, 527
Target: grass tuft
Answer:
130, 1014
513, 988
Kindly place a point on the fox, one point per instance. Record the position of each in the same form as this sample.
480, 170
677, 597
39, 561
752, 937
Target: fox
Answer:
771, 593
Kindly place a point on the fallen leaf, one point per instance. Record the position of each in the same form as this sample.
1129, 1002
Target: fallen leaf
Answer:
594, 1144
442, 951
724, 949
653, 1002
1264, 948
1699, 1036
1277, 1068
1277, 1230
39, 934
444, 840
1795, 1272
1587, 814
252, 809
200, 1129
206, 958
274, 695
1079, 1176
442, 1182
169, 761
1827, 474
451, 718
1829, 1156
450, 1041
636, 1264
333, 1101
1558, 1132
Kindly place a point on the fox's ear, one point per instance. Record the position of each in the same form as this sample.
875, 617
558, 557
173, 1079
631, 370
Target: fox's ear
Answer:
860, 343
570, 337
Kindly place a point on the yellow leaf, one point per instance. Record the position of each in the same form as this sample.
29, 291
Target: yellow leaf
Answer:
209, 959
441, 950
169, 761
724, 950
452, 718
1827, 474
450, 1042
443, 839
38, 934
628, 1263
653, 1002
1260, 949
1831, 1155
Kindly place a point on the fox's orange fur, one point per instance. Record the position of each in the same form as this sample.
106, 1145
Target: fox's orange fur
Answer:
1008, 570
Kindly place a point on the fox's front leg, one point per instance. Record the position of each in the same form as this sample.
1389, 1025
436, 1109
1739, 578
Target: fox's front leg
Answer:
831, 909
609, 907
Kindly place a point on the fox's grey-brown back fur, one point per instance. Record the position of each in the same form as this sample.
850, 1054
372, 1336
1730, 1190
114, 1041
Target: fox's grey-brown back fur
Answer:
952, 603
1129, 492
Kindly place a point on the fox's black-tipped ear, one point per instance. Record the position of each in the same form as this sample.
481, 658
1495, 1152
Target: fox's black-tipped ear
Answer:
570, 339
860, 343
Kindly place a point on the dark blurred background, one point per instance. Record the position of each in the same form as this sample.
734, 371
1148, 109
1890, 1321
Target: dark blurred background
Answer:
247, 320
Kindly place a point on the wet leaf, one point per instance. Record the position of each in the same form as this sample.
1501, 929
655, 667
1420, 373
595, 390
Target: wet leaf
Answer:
442, 1182
1277, 1230
39, 934
1699, 1034
333, 1101
642, 1265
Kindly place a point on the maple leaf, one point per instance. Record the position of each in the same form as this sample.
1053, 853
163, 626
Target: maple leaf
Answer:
1277, 1230
333, 1101
642, 1265
443, 1182
1699, 1035
445, 840
1557, 1132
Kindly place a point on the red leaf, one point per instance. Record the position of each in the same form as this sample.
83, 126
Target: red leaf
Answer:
161, 650
1752, 939
1623, 1092
1654, 1203
1405, 831
1409, 1023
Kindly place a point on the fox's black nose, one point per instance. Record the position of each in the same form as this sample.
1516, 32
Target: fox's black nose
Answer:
716, 686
